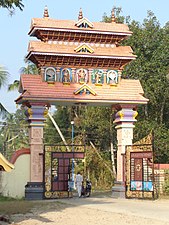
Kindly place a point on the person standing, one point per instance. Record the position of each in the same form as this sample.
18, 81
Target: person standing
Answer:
79, 180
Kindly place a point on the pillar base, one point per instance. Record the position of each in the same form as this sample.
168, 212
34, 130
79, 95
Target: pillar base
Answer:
34, 191
118, 190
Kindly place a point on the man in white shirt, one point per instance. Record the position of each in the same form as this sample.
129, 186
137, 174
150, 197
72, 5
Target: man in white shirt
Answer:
79, 180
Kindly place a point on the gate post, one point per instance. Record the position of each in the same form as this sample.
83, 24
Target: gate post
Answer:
36, 116
124, 120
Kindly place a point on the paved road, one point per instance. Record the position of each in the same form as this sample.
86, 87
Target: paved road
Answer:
157, 209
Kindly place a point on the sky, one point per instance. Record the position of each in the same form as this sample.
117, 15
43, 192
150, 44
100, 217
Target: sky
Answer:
14, 30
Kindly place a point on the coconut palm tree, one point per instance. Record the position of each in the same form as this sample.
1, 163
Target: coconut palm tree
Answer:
3, 81
14, 133
11, 5
30, 68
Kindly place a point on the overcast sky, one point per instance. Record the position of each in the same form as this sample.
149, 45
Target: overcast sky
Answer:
14, 30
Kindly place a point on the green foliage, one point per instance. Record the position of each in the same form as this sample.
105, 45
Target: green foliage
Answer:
96, 123
14, 86
150, 42
11, 5
30, 68
166, 184
95, 170
3, 76
14, 133
119, 18
4, 199
62, 118
3, 81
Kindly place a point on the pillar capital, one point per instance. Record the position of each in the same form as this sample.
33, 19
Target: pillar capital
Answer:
125, 117
36, 115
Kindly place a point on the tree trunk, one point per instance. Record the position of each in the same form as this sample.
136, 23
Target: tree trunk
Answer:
162, 111
112, 158
108, 167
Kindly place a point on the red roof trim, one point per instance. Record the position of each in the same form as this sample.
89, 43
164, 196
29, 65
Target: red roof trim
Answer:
18, 153
161, 166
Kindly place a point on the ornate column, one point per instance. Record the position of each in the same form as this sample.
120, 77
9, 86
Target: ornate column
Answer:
124, 120
73, 75
36, 115
90, 76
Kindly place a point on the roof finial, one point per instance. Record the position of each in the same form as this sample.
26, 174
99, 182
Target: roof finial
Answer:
80, 14
113, 18
46, 14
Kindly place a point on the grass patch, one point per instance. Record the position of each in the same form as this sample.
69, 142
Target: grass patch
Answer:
164, 197
10, 207
3, 199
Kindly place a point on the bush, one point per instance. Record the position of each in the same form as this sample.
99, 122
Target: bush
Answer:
166, 184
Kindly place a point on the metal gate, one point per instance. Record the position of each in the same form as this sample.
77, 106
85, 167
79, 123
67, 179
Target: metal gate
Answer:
140, 169
58, 161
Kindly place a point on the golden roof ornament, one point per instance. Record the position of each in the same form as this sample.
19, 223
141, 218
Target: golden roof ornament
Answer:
46, 14
113, 18
80, 14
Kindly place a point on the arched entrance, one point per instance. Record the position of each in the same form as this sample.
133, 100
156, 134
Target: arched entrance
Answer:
80, 63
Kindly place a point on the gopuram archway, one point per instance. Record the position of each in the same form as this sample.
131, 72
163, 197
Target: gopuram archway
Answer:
80, 62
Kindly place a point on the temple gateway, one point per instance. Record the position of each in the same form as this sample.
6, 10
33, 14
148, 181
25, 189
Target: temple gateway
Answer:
80, 62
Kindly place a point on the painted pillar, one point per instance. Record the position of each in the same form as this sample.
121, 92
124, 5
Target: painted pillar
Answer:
124, 120
36, 116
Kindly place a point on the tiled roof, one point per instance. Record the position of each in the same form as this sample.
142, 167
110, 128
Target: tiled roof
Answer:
66, 48
70, 25
127, 91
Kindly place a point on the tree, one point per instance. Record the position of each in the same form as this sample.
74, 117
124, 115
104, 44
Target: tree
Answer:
3, 81
14, 133
62, 118
150, 43
30, 68
11, 5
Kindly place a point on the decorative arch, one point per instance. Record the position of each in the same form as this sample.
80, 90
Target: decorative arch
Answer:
50, 74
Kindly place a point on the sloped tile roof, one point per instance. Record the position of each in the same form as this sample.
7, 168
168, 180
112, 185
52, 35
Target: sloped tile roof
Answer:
70, 25
127, 91
65, 48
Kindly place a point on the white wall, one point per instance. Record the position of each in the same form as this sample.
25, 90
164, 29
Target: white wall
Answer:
13, 183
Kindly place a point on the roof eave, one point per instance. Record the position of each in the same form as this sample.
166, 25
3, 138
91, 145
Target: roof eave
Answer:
34, 28
87, 101
80, 55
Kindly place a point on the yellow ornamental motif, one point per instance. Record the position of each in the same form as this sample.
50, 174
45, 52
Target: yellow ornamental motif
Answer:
121, 114
135, 114
45, 113
30, 112
84, 48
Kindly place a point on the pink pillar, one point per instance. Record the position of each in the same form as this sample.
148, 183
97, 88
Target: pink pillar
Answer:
36, 115
124, 120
